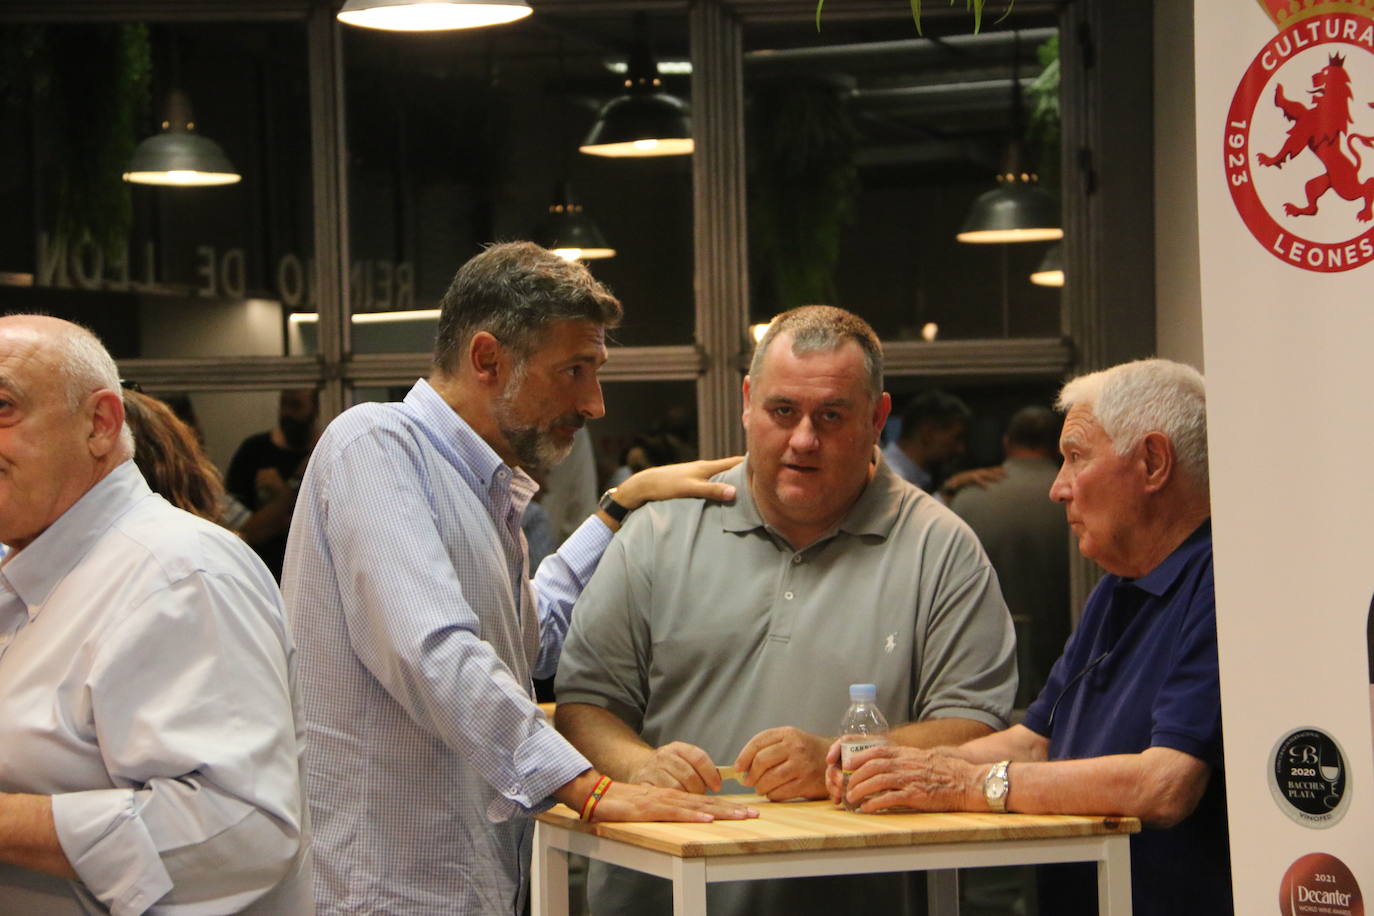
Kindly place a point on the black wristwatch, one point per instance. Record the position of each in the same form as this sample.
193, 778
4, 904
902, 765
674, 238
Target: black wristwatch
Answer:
615, 510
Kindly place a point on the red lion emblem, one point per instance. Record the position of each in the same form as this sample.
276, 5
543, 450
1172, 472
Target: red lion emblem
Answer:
1319, 129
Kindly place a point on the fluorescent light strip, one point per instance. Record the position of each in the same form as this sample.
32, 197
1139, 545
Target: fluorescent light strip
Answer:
370, 317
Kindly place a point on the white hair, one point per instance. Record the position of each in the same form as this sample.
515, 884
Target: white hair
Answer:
1144, 396
85, 366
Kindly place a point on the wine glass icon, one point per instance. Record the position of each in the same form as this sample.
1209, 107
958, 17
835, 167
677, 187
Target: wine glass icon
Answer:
1329, 768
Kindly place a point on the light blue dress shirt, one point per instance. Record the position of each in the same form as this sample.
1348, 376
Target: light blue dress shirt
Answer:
408, 593
147, 685
904, 467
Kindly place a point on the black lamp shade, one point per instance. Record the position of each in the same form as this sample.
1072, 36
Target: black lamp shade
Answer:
182, 159
569, 232
178, 156
1015, 211
641, 123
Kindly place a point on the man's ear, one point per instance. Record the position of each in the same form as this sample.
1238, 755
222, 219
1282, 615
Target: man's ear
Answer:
744, 417
106, 411
1157, 453
484, 357
881, 411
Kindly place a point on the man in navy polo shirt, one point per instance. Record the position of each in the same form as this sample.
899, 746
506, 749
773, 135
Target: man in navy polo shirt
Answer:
1129, 722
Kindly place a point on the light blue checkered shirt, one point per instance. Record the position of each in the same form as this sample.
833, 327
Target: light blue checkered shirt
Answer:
418, 634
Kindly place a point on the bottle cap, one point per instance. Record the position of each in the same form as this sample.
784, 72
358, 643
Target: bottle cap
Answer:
863, 693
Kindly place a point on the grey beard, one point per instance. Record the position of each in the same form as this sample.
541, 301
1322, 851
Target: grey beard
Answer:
534, 448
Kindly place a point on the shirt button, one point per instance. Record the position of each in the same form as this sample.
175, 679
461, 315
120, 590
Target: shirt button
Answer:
787, 595
796, 559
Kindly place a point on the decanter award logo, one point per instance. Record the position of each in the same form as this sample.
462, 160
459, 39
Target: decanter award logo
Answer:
1298, 147
1320, 884
1309, 779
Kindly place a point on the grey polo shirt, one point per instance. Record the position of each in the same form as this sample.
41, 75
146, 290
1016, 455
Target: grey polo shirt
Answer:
702, 625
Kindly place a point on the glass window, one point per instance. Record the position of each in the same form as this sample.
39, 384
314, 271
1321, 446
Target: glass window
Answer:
456, 140
867, 147
157, 271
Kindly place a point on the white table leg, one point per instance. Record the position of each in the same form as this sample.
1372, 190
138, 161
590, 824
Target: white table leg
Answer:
1114, 878
689, 887
942, 891
548, 876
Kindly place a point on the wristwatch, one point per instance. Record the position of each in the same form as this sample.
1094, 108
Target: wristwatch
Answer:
615, 510
996, 785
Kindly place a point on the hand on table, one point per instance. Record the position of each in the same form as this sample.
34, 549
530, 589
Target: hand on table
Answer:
626, 801
906, 777
681, 766
784, 763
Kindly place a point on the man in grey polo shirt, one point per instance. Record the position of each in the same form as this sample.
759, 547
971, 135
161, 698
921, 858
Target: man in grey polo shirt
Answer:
729, 633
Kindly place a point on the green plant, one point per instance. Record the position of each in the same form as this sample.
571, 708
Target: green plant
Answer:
90, 84
802, 185
1044, 114
974, 6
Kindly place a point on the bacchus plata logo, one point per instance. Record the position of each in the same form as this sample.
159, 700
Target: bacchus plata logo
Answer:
1298, 147
1309, 777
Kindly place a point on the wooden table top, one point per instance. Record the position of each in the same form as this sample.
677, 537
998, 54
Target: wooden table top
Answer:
798, 826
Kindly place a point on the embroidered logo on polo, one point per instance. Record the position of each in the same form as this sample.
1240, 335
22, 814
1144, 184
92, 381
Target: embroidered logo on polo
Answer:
1309, 778
1298, 147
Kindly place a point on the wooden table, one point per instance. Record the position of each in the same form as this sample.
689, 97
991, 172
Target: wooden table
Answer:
800, 839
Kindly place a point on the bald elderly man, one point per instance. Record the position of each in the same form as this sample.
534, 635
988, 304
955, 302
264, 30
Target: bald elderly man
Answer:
150, 755
1129, 722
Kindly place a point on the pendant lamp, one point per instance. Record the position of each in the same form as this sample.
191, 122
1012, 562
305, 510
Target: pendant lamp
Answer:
645, 120
178, 156
431, 16
1018, 209
569, 232
1051, 269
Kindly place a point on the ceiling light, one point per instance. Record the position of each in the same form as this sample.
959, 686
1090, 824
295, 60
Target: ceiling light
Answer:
645, 120
178, 156
569, 232
1018, 209
1051, 269
433, 16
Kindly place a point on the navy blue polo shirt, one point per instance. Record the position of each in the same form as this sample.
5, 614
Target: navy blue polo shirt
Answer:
1139, 672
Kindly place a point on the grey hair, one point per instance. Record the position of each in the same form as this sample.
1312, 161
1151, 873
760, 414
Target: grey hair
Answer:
515, 291
1144, 396
822, 328
83, 366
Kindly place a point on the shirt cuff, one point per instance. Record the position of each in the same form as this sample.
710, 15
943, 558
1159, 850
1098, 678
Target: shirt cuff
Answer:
543, 762
584, 547
1203, 750
109, 846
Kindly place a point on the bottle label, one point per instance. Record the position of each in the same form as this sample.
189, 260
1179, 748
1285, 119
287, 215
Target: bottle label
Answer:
852, 746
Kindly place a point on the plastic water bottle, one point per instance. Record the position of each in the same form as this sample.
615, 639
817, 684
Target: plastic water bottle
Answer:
863, 727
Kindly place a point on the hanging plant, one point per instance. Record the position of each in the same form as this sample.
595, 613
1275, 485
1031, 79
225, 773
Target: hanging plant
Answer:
802, 185
973, 6
91, 84
1043, 94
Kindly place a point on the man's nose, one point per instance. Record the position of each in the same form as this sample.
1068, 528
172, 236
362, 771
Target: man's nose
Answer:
1059, 490
804, 438
591, 405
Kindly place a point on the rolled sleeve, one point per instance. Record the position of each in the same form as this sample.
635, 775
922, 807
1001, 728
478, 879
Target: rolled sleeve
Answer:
109, 846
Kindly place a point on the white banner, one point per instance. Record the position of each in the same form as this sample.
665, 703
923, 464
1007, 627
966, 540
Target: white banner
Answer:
1285, 140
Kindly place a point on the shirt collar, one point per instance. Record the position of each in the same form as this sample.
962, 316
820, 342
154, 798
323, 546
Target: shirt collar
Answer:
875, 511
1159, 580
36, 570
468, 452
